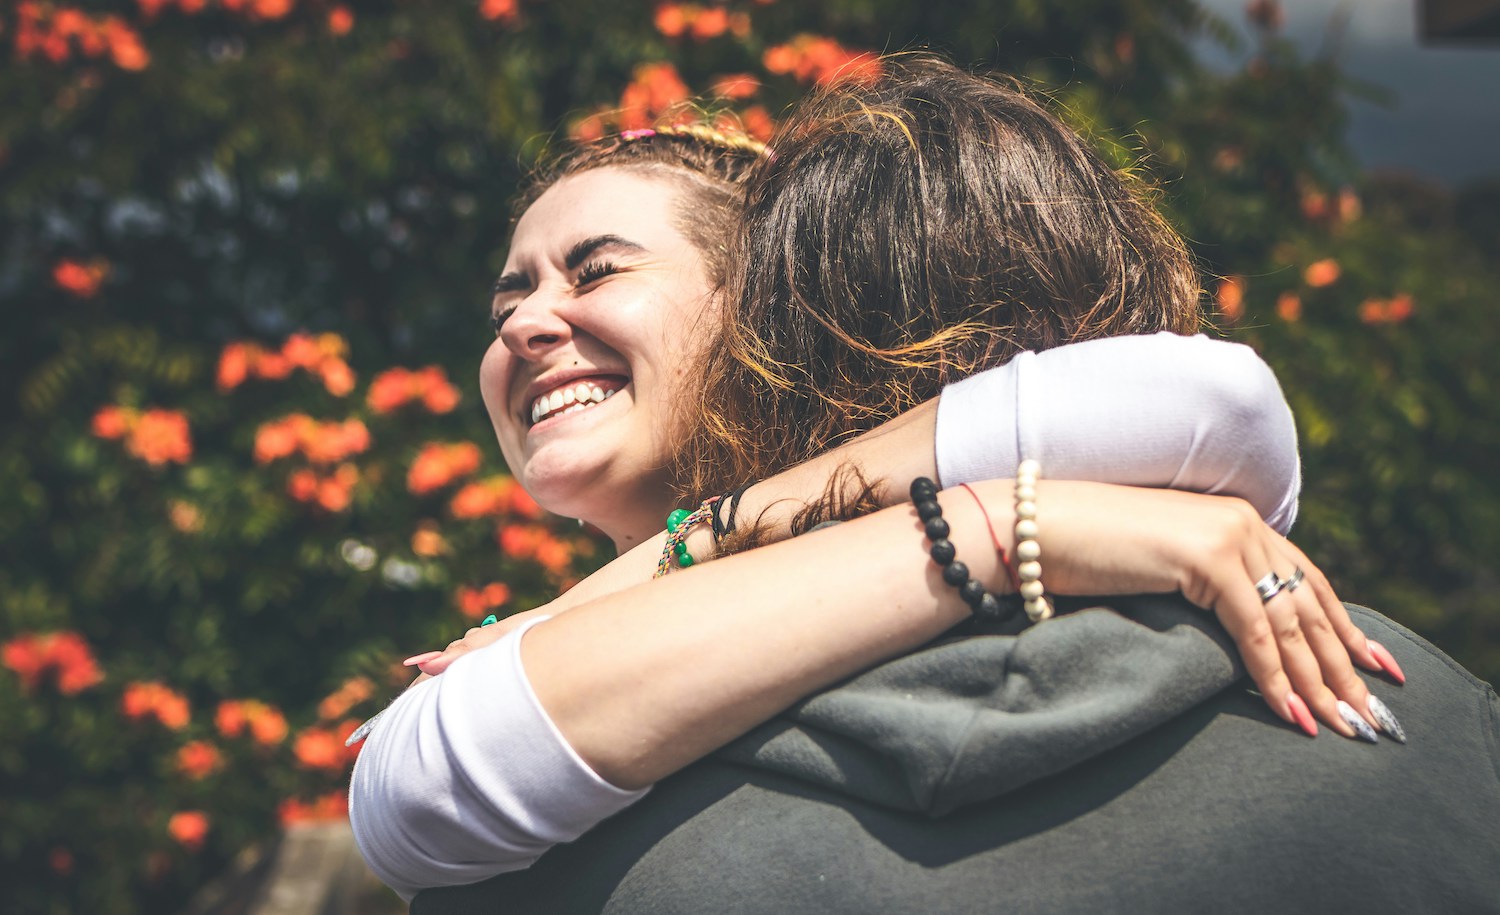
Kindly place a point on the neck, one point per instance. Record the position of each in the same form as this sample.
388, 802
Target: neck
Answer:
639, 523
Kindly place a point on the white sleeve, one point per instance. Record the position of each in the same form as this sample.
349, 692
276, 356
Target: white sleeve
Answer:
465, 777
1162, 410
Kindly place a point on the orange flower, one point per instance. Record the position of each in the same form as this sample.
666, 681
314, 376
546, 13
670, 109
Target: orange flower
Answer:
1321, 273
337, 491
189, 828
273, 366
710, 23
439, 464
230, 718
61, 861
301, 351
143, 699
822, 60
316, 748
125, 46
337, 377
655, 88
340, 20
185, 516
780, 59
65, 654
1231, 297
329, 443
671, 19
502, 11
23, 655
536, 543
394, 388
758, 123
267, 724
736, 86
78, 278
113, 422
331, 806
270, 9
234, 366
198, 759
278, 439
491, 496
428, 541
161, 436
476, 602
1289, 306
302, 485
1386, 311
338, 703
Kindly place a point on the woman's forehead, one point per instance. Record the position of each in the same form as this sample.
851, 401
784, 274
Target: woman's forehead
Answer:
602, 201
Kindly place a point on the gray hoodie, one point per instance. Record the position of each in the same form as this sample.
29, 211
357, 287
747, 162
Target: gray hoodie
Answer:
1110, 760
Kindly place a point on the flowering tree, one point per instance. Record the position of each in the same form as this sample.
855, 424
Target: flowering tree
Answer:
244, 248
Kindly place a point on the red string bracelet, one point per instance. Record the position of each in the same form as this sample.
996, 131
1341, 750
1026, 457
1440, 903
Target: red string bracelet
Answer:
994, 538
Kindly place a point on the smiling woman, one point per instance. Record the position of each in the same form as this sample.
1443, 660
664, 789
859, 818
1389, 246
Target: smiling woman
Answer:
536, 729
597, 335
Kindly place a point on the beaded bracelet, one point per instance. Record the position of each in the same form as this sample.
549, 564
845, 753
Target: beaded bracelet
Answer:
679, 524
1028, 550
941, 549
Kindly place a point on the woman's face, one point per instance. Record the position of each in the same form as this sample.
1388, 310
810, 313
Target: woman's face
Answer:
597, 312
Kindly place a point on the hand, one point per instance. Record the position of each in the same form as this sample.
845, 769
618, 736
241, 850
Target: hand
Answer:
476, 638
1297, 645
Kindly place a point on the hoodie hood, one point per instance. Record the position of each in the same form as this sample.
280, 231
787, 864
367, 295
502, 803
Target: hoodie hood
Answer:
980, 714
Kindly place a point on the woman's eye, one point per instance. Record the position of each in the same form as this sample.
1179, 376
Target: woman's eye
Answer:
497, 318
595, 271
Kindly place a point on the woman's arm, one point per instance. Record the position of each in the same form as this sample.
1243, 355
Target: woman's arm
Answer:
648, 680
1160, 410
1163, 410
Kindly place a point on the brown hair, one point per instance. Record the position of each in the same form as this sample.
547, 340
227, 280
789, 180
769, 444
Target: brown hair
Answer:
905, 234
709, 163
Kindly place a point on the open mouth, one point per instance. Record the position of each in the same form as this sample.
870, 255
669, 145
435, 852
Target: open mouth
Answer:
575, 396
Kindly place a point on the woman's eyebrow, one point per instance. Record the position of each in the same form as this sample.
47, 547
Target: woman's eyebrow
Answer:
583, 249
510, 282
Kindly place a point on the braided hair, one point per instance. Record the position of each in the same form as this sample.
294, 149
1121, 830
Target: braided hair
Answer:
709, 163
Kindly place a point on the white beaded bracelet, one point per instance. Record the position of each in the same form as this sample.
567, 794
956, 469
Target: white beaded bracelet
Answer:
1028, 550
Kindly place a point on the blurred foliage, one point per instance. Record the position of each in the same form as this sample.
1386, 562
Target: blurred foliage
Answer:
208, 206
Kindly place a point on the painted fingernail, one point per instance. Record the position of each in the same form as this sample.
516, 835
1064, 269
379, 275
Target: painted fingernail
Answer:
1387, 661
1301, 715
363, 731
1386, 720
1362, 728
422, 658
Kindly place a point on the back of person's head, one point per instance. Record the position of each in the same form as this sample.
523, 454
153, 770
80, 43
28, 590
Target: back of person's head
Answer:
707, 163
908, 232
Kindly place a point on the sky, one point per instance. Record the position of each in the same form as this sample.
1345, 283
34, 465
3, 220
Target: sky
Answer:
1444, 117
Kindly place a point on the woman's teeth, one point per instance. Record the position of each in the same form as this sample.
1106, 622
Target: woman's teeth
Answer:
568, 400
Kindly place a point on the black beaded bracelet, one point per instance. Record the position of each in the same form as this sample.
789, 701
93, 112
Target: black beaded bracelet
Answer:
955, 573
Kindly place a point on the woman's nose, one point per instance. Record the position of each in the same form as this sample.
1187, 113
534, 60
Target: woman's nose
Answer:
536, 326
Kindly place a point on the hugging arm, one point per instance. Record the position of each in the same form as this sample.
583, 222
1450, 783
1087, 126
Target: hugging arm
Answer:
643, 682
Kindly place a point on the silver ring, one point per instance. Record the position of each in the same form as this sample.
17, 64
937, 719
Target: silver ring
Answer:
1294, 581
1269, 586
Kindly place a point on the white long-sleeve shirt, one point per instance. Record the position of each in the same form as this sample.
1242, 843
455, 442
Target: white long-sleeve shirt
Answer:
466, 776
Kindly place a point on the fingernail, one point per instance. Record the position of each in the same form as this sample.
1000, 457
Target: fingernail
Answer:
422, 658
1386, 720
1387, 661
1301, 715
363, 731
1362, 728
